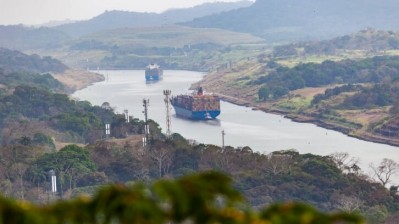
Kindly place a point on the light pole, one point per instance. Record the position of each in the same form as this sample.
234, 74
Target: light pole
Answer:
146, 128
167, 93
223, 134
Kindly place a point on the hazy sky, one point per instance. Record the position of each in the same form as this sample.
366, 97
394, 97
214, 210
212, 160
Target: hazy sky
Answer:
32, 12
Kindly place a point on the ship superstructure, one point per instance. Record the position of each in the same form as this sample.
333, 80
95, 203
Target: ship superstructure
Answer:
153, 72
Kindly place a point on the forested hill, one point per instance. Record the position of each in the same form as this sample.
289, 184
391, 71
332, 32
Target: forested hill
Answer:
11, 60
121, 19
305, 19
369, 40
18, 69
21, 38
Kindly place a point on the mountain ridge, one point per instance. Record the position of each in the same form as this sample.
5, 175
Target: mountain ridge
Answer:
302, 20
119, 19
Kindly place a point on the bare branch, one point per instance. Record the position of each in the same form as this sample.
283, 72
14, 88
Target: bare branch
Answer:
384, 172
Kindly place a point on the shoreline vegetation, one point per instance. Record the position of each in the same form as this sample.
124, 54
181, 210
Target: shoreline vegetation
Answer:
244, 98
366, 136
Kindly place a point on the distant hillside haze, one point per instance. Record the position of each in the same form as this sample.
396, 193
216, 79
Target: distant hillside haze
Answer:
120, 19
206, 9
15, 61
305, 19
21, 38
273, 20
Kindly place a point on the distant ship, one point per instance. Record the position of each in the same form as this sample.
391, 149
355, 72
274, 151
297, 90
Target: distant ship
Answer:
153, 72
198, 106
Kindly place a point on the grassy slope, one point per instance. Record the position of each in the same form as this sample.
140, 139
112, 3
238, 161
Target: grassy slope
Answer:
170, 36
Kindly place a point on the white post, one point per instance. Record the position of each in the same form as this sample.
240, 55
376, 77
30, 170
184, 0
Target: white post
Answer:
53, 181
107, 130
126, 116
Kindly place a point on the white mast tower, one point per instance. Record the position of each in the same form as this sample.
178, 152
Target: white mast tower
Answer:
168, 120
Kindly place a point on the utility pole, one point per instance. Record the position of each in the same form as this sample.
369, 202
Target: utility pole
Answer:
168, 120
146, 128
223, 134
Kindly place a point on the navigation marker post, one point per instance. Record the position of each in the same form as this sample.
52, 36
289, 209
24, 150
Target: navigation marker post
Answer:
107, 130
126, 112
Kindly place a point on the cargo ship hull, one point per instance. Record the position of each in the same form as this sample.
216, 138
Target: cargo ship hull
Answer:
153, 77
196, 115
153, 73
198, 106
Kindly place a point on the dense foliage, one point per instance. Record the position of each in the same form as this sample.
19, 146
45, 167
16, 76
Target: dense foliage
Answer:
16, 61
369, 40
57, 111
10, 80
382, 69
200, 198
262, 179
329, 93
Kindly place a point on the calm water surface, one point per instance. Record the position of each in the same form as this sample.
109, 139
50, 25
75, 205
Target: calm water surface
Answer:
261, 131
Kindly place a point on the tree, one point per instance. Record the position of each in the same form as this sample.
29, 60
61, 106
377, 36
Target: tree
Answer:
348, 203
70, 163
279, 162
384, 172
264, 93
344, 162
285, 51
13, 166
163, 159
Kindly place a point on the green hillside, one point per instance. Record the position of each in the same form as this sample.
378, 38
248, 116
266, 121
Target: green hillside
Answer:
326, 82
12, 60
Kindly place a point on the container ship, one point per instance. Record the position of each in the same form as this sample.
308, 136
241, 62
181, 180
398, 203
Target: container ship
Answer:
198, 106
153, 72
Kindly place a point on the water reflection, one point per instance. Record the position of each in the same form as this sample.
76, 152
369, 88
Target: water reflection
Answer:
212, 122
149, 82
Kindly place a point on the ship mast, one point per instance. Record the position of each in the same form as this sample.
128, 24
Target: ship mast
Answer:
167, 93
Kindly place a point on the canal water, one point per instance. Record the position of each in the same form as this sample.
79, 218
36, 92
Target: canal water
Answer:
263, 132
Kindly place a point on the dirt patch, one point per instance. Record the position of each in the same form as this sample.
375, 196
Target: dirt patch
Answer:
78, 79
365, 117
131, 140
310, 92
